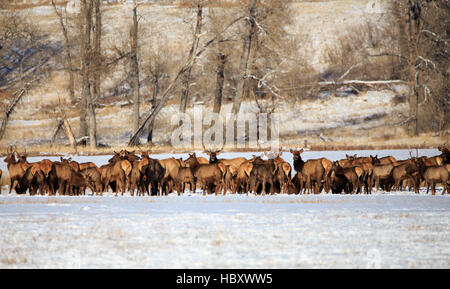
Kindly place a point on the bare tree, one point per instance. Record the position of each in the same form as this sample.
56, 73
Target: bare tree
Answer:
134, 62
424, 35
68, 58
25, 56
185, 78
251, 29
90, 66
165, 95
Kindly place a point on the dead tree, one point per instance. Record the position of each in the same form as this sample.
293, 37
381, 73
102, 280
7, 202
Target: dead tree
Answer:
186, 77
245, 56
90, 24
68, 57
25, 55
425, 42
134, 63
165, 95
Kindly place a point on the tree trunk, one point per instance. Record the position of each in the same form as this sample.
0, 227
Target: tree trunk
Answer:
153, 103
97, 34
135, 69
186, 77
414, 11
94, 71
221, 60
68, 53
85, 25
246, 48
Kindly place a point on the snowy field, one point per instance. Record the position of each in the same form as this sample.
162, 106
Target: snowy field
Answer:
382, 230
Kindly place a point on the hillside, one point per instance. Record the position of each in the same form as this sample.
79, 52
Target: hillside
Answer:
351, 116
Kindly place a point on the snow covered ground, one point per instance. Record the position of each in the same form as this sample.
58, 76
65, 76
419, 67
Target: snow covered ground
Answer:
382, 230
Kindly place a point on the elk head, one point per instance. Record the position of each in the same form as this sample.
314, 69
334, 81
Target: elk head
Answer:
10, 158
296, 153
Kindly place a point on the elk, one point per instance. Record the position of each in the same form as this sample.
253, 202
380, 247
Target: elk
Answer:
382, 173
282, 172
92, 176
284, 167
433, 161
262, 174
135, 173
153, 176
16, 168
364, 167
349, 177
117, 171
77, 184
405, 171
315, 172
74, 165
33, 179
229, 179
59, 177
185, 176
171, 167
234, 162
241, 181
298, 183
210, 176
434, 175
445, 154
385, 160
87, 165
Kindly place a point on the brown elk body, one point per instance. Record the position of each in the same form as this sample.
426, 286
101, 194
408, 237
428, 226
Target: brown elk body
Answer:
16, 168
315, 172
77, 184
241, 181
118, 172
185, 176
229, 179
171, 167
87, 165
262, 175
382, 173
61, 174
349, 177
152, 176
406, 170
33, 180
209, 176
92, 176
434, 175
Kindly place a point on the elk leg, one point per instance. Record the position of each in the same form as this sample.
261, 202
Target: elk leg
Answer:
11, 186
264, 186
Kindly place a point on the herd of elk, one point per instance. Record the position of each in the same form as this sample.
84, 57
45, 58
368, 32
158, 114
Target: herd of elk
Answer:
140, 175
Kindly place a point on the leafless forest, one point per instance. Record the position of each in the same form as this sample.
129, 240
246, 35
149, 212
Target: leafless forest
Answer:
102, 73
